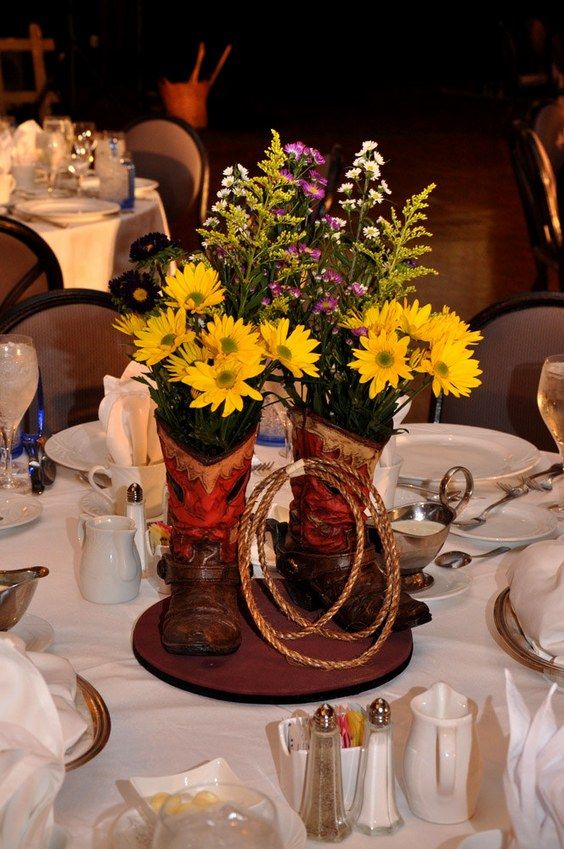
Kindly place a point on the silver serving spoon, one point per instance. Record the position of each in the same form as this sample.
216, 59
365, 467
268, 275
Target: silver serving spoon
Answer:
456, 559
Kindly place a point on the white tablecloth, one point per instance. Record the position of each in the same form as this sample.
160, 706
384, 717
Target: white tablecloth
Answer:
90, 254
158, 729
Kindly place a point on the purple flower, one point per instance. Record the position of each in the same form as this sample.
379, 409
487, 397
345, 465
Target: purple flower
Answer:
149, 245
334, 223
280, 211
314, 253
296, 149
292, 250
275, 288
412, 263
134, 291
312, 190
314, 155
325, 305
331, 276
294, 292
317, 177
358, 289
266, 302
359, 331
287, 175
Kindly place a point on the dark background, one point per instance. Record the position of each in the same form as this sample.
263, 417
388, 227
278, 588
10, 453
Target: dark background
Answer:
303, 63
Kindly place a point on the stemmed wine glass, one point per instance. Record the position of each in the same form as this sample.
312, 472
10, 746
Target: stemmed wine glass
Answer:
54, 147
81, 150
550, 399
19, 374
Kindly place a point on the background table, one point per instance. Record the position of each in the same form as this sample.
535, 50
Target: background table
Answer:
157, 729
90, 254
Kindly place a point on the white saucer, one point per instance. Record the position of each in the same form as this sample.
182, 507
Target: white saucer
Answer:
491, 839
447, 582
94, 504
18, 510
36, 633
512, 523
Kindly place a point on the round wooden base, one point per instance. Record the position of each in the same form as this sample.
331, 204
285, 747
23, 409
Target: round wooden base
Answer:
257, 672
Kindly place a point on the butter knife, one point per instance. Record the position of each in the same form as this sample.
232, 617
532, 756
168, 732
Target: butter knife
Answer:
35, 216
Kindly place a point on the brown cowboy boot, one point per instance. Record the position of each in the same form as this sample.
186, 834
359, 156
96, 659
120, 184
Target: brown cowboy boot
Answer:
206, 500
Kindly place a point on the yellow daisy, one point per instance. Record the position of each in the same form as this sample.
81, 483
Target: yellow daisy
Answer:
452, 368
293, 351
449, 324
222, 382
178, 364
227, 337
383, 361
129, 323
195, 288
388, 317
161, 336
414, 317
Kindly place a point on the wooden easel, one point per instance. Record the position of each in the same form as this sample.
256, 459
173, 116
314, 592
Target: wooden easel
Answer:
188, 100
37, 46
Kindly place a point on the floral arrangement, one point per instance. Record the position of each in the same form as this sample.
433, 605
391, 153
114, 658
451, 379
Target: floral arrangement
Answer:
282, 292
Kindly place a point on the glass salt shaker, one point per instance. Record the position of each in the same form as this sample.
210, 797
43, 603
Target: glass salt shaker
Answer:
322, 808
375, 799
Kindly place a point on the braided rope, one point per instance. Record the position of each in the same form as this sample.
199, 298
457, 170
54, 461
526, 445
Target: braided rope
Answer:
352, 488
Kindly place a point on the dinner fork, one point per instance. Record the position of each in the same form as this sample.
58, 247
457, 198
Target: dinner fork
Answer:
546, 485
511, 493
263, 467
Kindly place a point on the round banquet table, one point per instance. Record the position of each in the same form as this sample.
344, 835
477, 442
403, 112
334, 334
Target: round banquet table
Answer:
158, 729
91, 253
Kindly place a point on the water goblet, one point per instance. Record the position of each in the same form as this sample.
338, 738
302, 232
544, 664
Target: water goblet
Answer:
19, 374
217, 816
54, 149
550, 400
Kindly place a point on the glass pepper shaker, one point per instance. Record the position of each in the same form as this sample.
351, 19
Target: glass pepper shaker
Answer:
322, 808
375, 798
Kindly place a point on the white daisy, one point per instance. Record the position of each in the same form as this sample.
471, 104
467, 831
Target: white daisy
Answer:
371, 232
353, 173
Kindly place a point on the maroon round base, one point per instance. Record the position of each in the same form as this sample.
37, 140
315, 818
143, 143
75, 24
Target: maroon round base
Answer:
257, 672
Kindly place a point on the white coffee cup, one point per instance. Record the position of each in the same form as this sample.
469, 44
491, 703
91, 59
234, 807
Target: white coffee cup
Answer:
7, 184
151, 478
386, 480
24, 175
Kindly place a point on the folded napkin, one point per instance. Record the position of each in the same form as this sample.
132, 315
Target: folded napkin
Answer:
536, 581
31, 750
127, 415
534, 777
6, 145
389, 452
24, 149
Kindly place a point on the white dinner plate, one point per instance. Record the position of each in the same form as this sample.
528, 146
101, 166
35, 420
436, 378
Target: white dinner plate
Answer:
447, 582
428, 450
18, 510
143, 186
36, 633
79, 447
70, 210
512, 523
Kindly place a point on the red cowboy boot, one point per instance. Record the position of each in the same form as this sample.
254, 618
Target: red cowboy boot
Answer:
206, 500
315, 554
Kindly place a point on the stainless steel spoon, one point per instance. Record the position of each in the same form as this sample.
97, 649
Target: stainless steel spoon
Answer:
456, 559
476, 521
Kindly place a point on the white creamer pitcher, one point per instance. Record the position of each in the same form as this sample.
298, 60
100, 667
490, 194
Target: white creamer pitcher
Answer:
442, 765
110, 569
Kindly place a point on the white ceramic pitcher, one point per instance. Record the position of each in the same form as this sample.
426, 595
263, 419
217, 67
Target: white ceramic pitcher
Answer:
110, 568
442, 765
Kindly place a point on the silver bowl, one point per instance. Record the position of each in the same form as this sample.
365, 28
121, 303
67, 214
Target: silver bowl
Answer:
418, 550
17, 587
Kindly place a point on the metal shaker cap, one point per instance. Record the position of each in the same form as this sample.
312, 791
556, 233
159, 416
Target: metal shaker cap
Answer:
379, 712
134, 493
324, 718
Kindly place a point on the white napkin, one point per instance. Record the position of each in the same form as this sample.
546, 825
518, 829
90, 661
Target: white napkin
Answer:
389, 450
6, 145
24, 150
536, 581
31, 750
127, 415
534, 778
